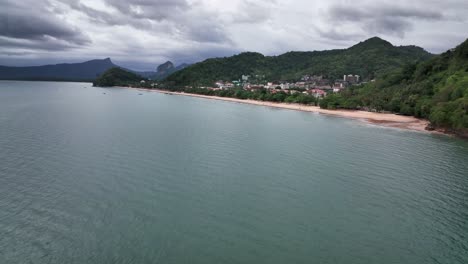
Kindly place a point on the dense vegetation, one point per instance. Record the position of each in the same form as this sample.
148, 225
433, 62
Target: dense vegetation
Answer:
436, 89
368, 59
117, 77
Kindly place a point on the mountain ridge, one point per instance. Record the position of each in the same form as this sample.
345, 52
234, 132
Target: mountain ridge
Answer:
166, 69
370, 58
86, 71
82, 71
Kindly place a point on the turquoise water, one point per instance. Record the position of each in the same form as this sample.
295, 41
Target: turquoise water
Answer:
94, 175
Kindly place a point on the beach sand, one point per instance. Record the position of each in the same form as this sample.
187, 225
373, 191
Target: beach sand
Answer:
382, 119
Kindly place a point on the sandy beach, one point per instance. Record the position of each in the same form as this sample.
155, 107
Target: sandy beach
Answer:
388, 120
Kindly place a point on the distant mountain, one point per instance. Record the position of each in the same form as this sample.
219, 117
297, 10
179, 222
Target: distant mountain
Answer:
368, 59
117, 77
166, 69
145, 74
85, 71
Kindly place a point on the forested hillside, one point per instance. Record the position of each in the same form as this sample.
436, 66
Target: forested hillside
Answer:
436, 89
117, 77
368, 59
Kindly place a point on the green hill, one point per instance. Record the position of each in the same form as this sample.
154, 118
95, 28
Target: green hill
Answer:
368, 59
117, 77
436, 89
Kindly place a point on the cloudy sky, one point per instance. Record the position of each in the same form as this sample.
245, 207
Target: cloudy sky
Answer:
141, 34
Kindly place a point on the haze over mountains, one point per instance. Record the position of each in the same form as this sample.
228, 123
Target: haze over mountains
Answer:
166, 69
85, 71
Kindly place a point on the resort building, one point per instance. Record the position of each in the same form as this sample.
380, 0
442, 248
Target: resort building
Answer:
351, 79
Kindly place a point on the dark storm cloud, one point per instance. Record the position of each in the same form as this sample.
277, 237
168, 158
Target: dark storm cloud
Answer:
201, 53
37, 26
213, 34
176, 17
137, 13
150, 9
337, 36
381, 18
145, 33
252, 12
45, 44
389, 26
359, 13
95, 15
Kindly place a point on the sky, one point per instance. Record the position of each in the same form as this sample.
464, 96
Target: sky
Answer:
141, 34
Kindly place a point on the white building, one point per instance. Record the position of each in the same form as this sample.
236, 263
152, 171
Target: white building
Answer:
352, 79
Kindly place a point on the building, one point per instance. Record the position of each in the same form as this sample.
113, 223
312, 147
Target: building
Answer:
311, 78
337, 89
224, 85
323, 82
219, 84
269, 85
300, 85
253, 87
323, 87
317, 93
351, 79
341, 84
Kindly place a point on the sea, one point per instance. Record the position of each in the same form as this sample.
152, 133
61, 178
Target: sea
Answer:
118, 175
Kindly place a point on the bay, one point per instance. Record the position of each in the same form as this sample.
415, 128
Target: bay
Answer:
114, 175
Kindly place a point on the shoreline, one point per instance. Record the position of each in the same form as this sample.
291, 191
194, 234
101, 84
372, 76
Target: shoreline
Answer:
382, 119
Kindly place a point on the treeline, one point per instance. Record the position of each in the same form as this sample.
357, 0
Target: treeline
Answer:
121, 77
279, 96
436, 90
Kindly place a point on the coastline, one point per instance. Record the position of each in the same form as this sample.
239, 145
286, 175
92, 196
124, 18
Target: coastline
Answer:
381, 119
